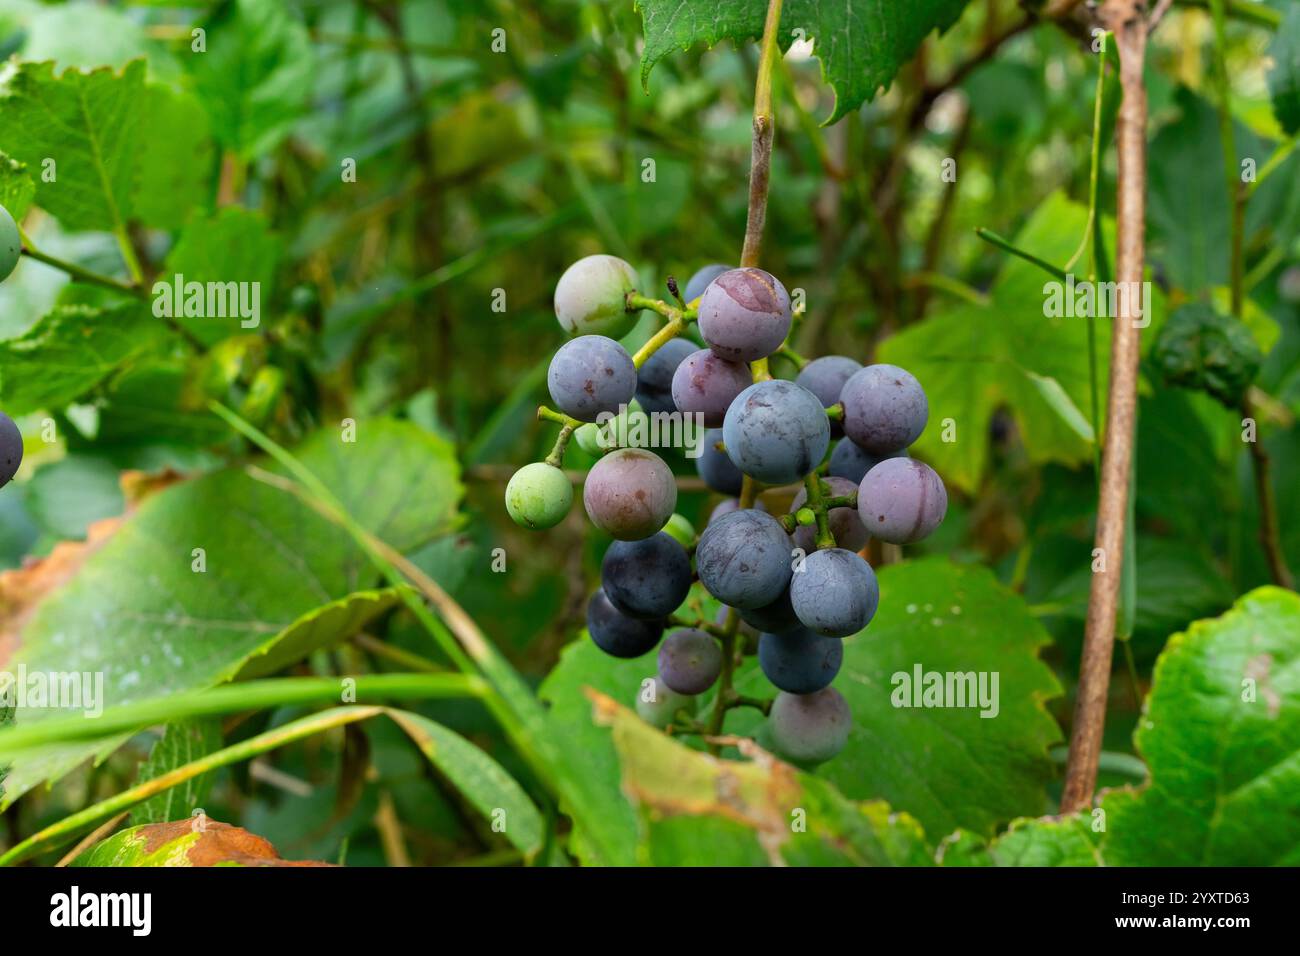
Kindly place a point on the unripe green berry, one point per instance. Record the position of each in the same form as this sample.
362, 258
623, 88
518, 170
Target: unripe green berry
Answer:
658, 705
590, 438
680, 530
11, 244
538, 496
590, 298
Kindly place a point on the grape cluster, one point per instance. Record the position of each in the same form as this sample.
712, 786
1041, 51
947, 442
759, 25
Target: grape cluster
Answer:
791, 586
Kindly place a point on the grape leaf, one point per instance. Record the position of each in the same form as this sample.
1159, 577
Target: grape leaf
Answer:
176, 158
1284, 78
71, 350
89, 125
948, 767
90, 35
197, 842
150, 623
16, 187
1042, 841
182, 742
861, 44
1220, 732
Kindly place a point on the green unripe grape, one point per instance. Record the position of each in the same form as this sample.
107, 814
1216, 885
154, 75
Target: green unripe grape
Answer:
596, 439
658, 705
590, 439
590, 297
538, 496
11, 244
680, 530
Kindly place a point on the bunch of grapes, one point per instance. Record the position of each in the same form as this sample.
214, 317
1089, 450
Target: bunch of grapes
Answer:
792, 586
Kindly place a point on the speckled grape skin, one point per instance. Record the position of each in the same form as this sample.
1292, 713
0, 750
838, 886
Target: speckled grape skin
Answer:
799, 661
851, 462
689, 661
11, 244
700, 281
901, 500
776, 431
538, 496
646, 579
836, 593
591, 296
743, 559
589, 375
707, 385
825, 378
775, 618
630, 493
744, 314
810, 728
617, 634
885, 408
845, 523
663, 709
715, 468
11, 449
654, 382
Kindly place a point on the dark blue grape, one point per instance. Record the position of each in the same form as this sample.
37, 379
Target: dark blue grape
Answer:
901, 501
884, 408
717, 470
654, 382
744, 627
689, 661
835, 593
776, 431
589, 375
845, 523
825, 378
775, 618
809, 728
707, 385
745, 314
646, 579
700, 281
11, 449
617, 634
799, 661
851, 462
743, 559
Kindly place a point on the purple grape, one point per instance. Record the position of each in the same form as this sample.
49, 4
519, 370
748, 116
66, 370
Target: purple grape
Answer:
589, 375
700, 281
825, 378
689, 661
799, 661
617, 634
851, 462
775, 618
834, 592
845, 522
745, 314
654, 382
901, 500
630, 493
776, 431
11, 449
707, 385
717, 470
646, 579
729, 505
809, 728
884, 408
743, 559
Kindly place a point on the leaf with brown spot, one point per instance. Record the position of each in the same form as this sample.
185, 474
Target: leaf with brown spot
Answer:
199, 841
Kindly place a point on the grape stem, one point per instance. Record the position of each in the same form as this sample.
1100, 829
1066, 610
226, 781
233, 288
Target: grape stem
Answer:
836, 412
817, 504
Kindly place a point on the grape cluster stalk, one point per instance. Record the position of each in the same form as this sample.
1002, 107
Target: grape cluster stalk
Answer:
791, 587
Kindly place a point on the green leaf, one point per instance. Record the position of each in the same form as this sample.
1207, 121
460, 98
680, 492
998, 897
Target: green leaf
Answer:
71, 350
234, 246
152, 625
176, 160
1045, 841
1221, 734
948, 767
1284, 78
977, 359
861, 45
197, 842
482, 781
182, 742
696, 810
65, 497
16, 187
89, 123
255, 76
89, 35
1200, 348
